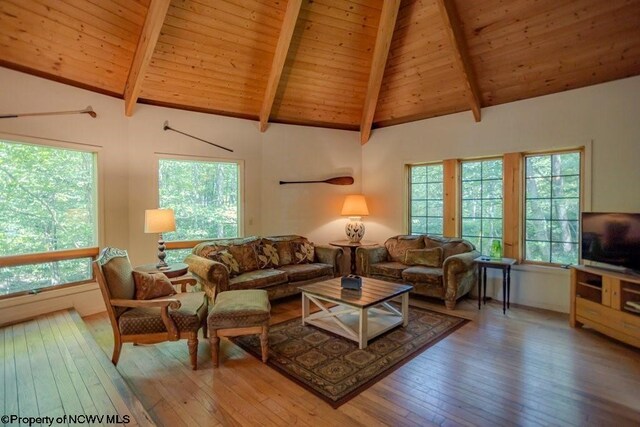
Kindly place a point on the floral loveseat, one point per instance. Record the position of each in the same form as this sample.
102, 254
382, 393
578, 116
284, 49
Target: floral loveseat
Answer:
276, 264
435, 266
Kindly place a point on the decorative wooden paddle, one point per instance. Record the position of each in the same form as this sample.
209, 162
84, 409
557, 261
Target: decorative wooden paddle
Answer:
87, 110
339, 180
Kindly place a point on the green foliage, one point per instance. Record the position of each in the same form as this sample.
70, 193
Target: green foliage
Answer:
204, 197
482, 202
47, 203
552, 208
426, 199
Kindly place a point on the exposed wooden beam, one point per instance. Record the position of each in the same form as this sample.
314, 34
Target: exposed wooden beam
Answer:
461, 52
147, 43
380, 52
282, 48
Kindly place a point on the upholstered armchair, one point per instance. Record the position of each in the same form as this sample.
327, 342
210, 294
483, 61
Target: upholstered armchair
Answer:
172, 318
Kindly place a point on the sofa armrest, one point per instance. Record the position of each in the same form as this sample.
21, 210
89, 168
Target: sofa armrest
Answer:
329, 255
212, 276
458, 271
368, 255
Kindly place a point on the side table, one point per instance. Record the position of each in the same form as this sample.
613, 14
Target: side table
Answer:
177, 273
503, 264
352, 246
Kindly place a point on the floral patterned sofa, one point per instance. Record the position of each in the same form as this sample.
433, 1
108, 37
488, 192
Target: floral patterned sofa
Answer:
435, 266
276, 264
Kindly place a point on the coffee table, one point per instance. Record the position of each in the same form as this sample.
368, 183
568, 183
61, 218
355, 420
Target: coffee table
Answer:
357, 315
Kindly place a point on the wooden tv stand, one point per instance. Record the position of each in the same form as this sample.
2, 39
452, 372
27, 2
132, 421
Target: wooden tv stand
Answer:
598, 300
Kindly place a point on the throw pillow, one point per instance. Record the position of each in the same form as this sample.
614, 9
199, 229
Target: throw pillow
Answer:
303, 252
245, 256
425, 257
152, 285
225, 258
268, 255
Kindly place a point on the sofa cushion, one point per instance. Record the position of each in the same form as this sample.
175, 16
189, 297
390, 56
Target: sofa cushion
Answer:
188, 317
421, 274
303, 251
258, 279
306, 271
392, 270
267, 253
283, 245
426, 257
397, 246
152, 285
449, 246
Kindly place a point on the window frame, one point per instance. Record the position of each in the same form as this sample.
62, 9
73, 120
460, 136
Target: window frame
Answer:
460, 200
409, 199
582, 202
187, 244
92, 252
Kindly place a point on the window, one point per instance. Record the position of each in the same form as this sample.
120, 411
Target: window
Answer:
426, 204
47, 203
204, 195
481, 189
552, 207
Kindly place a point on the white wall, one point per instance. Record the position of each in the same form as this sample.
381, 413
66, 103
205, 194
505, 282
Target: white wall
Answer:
606, 114
128, 156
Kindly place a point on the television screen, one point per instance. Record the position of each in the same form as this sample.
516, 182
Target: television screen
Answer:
611, 238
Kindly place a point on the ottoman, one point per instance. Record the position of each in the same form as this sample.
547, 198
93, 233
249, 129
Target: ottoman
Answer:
236, 313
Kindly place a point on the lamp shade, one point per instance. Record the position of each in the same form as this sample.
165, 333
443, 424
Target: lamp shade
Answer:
355, 205
159, 221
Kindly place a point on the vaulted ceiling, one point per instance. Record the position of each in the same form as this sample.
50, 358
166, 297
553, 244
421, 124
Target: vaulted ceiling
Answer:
351, 64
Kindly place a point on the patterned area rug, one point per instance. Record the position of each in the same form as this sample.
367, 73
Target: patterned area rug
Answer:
333, 367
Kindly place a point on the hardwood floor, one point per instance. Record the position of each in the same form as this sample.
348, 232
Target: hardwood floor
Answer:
51, 367
527, 367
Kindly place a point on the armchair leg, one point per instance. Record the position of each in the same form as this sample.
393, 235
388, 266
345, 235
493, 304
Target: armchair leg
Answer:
450, 304
215, 344
117, 347
264, 343
192, 343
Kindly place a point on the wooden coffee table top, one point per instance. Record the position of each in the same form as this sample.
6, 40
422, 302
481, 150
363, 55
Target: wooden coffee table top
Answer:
373, 292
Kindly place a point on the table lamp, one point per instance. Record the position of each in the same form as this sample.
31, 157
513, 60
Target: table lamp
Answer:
159, 221
355, 207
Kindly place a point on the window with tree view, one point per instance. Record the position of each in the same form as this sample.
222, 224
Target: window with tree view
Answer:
205, 197
552, 207
47, 203
426, 203
481, 188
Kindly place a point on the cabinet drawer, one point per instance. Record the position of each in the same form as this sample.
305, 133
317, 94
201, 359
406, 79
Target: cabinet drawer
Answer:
626, 323
594, 311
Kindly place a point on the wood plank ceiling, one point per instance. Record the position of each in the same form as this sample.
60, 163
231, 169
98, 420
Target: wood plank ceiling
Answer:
351, 64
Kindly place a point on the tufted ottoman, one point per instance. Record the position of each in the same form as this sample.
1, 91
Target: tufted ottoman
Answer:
241, 312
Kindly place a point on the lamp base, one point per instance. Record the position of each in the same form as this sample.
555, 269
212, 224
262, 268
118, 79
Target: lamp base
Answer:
161, 265
354, 229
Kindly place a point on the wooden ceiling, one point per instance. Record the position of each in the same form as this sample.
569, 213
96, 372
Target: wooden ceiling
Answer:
351, 64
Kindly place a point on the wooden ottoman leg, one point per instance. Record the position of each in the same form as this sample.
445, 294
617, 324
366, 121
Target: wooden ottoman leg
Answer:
264, 343
215, 343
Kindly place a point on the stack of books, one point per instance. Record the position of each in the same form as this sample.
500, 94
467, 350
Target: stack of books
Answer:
632, 306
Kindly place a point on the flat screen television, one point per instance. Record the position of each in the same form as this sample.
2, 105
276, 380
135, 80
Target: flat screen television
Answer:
612, 238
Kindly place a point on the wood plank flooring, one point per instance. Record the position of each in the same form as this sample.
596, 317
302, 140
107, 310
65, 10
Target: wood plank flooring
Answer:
527, 367
523, 368
51, 366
